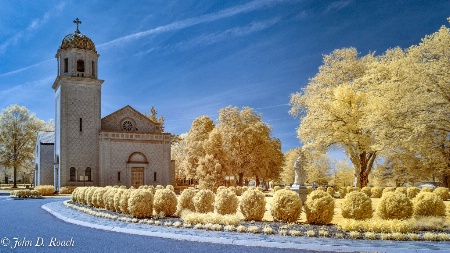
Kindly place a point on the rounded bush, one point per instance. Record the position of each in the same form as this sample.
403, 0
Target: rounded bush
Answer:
220, 188
367, 190
117, 197
412, 192
170, 187
353, 189
402, 190
45, 190
239, 190
140, 203
388, 189
377, 192
276, 188
319, 208
123, 203
286, 206
320, 188
158, 187
253, 204
331, 191
426, 189
442, 192
98, 197
357, 205
185, 201
394, 205
428, 204
342, 192
74, 195
80, 195
109, 198
165, 201
309, 189
226, 202
89, 196
204, 201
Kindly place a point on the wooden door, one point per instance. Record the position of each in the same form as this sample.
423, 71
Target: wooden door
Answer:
137, 177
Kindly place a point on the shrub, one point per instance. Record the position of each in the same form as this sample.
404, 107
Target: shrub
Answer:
342, 192
394, 205
388, 189
158, 187
310, 189
123, 203
426, 189
331, 191
185, 201
320, 188
286, 206
80, 195
401, 190
377, 192
45, 190
412, 192
233, 189
165, 201
109, 198
66, 189
442, 192
357, 205
89, 196
253, 204
170, 187
353, 189
117, 197
239, 190
226, 202
428, 204
367, 190
214, 218
140, 203
98, 197
319, 208
204, 201
276, 188
220, 188
74, 195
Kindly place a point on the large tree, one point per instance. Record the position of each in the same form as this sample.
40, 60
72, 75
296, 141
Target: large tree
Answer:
247, 141
18, 129
332, 108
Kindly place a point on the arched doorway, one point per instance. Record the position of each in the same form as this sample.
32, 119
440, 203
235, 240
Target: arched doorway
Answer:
137, 162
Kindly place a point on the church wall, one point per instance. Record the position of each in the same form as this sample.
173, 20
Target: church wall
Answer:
45, 164
79, 140
115, 152
140, 122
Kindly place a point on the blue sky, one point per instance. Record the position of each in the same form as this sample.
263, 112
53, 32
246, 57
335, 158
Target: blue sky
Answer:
192, 58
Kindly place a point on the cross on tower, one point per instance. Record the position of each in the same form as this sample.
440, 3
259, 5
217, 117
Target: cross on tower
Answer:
77, 21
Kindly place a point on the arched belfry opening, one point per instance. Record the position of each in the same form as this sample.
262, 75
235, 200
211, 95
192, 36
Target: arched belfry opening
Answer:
80, 66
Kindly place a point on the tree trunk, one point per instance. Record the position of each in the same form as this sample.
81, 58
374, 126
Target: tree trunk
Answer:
364, 165
241, 178
15, 177
257, 181
445, 180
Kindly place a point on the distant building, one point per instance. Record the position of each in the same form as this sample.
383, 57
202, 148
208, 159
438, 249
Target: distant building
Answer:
123, 148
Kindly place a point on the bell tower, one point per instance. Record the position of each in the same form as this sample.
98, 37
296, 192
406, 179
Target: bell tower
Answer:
77, 111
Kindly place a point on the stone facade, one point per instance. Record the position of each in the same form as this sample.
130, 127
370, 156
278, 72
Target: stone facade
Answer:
44, 158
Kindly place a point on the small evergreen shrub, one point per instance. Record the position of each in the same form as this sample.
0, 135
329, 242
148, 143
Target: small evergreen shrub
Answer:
165, 201
286, 206
401, 190
45, 190
239, 190
320, 188
97, 198
442, 192
428, 204
123, 203
89, 196
310, 189
158, 187
394, 205
226, 202
377, 192
319, 208
388, 189
367, 190
80, 195
426, 189
66, 190
233, 189
253, 204
220, 188
117, 197
170, 187
412, 192
185, 201
109, 198
342, 192
204, 201
276, 188
140, 203
357, 205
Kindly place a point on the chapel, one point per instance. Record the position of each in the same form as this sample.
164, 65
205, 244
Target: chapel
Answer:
123, 148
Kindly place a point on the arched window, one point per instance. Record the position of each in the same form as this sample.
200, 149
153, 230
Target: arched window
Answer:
66, 65
80, 66
73, 174
87, 173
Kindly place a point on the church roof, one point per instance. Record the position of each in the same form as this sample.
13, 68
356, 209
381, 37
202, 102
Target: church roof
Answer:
46, 137
77, 40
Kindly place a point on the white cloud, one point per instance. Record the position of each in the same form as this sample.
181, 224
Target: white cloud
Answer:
337, 5
178, 25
